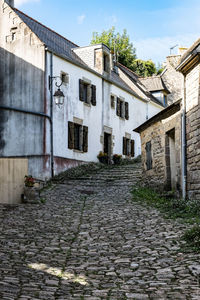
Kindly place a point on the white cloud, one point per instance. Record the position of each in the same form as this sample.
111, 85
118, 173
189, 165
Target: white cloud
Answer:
158, 48
80, 19
20, 2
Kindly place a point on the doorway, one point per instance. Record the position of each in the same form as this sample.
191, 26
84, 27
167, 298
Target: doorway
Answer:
107, 144
171, 159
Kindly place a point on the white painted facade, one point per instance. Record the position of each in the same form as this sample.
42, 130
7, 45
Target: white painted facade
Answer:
35, 98
96, 118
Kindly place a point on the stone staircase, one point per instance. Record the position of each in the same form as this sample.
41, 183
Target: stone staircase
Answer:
115, 175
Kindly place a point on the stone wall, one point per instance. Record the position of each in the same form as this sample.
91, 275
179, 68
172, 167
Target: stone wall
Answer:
193, 133
157, 177
173, 79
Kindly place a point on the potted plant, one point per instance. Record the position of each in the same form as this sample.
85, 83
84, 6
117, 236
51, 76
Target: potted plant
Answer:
29, 181
117, 159
31, 192
103, 157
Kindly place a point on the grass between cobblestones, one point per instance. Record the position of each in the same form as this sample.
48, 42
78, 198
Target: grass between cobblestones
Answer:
187, 211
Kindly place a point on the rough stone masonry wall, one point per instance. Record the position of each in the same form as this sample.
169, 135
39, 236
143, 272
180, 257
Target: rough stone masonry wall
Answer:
193, 133
173, 79
156, 133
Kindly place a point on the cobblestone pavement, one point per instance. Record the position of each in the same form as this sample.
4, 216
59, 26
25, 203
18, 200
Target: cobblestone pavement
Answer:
89, 241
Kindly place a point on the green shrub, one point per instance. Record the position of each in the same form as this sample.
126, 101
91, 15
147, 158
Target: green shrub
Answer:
192, 237
173, 208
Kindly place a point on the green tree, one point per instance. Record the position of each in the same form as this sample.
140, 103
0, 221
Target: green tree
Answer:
120, 43
144, 68
126, 53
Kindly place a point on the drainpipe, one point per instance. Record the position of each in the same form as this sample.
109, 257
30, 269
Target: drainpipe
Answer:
51, 115
183, 144
147, 109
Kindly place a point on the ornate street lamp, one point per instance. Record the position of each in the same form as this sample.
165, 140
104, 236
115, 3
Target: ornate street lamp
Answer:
58, 95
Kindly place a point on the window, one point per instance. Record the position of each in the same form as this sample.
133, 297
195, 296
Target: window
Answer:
87, 92
77, 137
112, 101
13, 36
148, 156
13, 31
106, 62
122, 109
128, 147
165, 100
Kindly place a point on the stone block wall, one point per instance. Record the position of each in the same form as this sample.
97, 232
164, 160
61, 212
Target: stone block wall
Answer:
157, 177
173, 79
193, 153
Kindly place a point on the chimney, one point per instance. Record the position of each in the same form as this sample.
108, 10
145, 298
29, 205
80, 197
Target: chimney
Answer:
10, 2
182, 50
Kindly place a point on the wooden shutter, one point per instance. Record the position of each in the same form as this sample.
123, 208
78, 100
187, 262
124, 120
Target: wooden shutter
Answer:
112, 101
118, 107
148, 156
93, 97
132, 148
81, 91
124, 146
70, 135
126, 111
85, 139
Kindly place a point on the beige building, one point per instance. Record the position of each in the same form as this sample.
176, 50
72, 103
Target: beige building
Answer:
189, 66
171, 139
161, 153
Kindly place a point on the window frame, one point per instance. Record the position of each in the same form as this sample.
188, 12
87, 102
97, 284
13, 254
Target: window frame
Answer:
77, 137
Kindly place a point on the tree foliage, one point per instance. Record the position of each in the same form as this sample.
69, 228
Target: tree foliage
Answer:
126, 53
120, 43
144, 68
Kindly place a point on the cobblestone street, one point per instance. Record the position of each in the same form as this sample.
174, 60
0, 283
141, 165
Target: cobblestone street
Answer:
90, 241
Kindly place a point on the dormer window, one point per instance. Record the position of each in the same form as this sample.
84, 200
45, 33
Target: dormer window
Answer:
106, 62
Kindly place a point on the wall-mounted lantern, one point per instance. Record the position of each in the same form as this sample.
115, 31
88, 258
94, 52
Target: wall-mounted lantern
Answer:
58, 95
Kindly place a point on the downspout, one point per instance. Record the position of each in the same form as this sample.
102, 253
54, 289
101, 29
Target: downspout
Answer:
183, 144
102, 116
147, 109
51, 115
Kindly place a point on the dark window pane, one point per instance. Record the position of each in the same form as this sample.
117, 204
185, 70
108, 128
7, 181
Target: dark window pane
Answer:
77, 136
85, 92
148, 156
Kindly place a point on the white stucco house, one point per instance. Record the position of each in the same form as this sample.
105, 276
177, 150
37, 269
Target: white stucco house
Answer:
103, 101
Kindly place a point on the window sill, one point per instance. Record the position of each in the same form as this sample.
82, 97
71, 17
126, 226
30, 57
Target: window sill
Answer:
78, 151
87, 104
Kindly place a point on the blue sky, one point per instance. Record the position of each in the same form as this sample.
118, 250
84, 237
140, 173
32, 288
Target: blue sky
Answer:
153, 25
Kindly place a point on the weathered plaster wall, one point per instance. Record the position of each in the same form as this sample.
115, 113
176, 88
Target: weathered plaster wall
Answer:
193, 132
95, 117
156, 133
22, 64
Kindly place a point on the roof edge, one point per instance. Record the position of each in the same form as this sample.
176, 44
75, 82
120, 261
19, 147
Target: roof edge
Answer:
162, 114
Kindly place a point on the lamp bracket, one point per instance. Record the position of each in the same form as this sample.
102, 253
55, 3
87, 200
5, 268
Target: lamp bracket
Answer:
52, 78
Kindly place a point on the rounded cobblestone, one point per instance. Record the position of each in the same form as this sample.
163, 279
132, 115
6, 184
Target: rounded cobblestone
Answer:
90, 241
